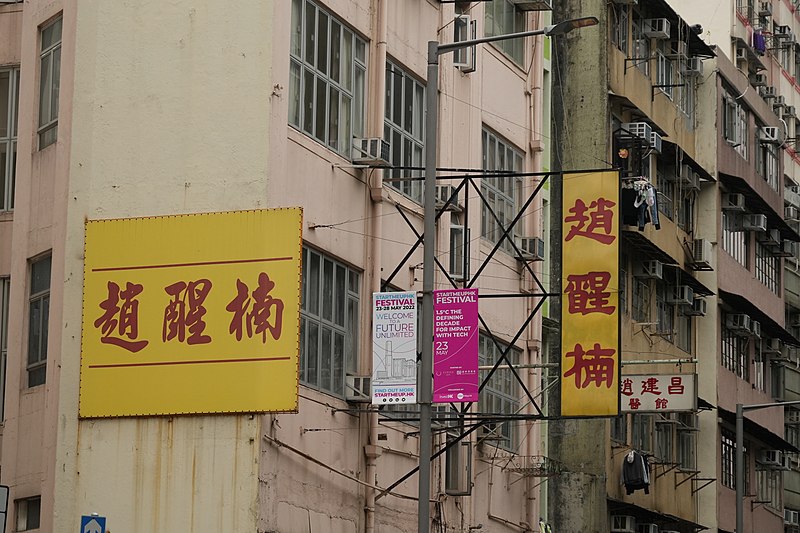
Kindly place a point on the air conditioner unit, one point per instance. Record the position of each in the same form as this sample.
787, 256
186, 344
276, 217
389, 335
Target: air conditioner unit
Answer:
783, 32
739, 323
693, 67
640, 131
791, 518
374, 151
755, 329
772, 347
789, 111
623, 524
764, 9
754, 222
741, 54
655, 142
445, 194
791, 417
733, 201
531, 248
779, 101
699, 308
626, 2
758, 80
681, 295
770, 135
647, 528
701, 253
648, 270
532, 5
770, 237
689, 179
790, 213
770, 458
656, 28
787, 249
358, 389
767, 92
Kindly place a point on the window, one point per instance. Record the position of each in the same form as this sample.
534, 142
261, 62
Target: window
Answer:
640, 306
665, 312
500, 395
687, 429
767, 163
728, 458
664, 440
735, 352
734, 121
683, 333
327, 74
28, 513
768, 269
734, 238
642, 432
9, 106
403, 129
619, 428
500, 191
623, 284
328, 322
38, 321
503, 17
769, 488
664, 68
619, 27
49, 82
5, 286
641, 45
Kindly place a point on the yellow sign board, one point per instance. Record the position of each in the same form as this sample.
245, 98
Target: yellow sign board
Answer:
590, 294
191, 314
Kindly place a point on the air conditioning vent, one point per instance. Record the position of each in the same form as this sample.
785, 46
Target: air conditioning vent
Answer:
740, 324
647, 528
768, 92
733, 201
649, 270
358, 389
755, 329
655, 142
531, 248
447, 198
623, 524
681, 295
699, 308
790, 111
773, 458
374, 151
758, 80
764, 9
770, 135
701, 256
693, 67
636, 131
656, 28
790, 213
754, 222
779, 101
783, 32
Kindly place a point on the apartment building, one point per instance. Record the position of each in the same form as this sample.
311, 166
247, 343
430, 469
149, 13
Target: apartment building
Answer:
118, 110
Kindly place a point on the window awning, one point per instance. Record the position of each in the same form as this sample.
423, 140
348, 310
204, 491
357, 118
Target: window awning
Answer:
643, 514
774, 441
768, 326
756, 204
644, 248
681, 277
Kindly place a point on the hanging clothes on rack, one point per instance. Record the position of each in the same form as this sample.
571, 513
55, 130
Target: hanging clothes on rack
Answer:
635, 472
639, 204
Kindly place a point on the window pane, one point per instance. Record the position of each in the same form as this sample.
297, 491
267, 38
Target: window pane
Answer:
408, 100
3, 178
319, 125
358, 107
339, 295
46, 73
297, 27
336, 30
294, 94
338, 364
308, 101
327, 292
303, 346
56, 83
397, 97
322, 43
333, 119
311, 24
34, 331
345, 129
40, 275
5, 103
313, 283
347, 58
326, 363
312, 355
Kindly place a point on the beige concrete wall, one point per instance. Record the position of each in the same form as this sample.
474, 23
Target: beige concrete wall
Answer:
170, 115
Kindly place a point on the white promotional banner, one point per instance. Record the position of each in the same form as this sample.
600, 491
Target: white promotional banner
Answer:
394, 348
658, 392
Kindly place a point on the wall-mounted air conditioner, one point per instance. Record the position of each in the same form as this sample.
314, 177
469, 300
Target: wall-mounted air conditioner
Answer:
778, 101
693, 67
656, 28
786, 249
772, 347
790, 213
783, 32
701, 253
754, 222
374, 151
358, 389
626, 2
772, 458
646, 528
767, 92
741, 54
764, 9
739, 323
699, 308
532, 5
656, 142
789, 111
770, 135
681, 295
447, 198
791, 518
623, 524
640, 131
531, 248
648, 270
755, 329
733, 201
758, 80
770, 237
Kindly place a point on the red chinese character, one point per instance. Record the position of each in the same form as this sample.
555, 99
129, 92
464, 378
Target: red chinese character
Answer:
121, 317
586, 293
675, 385
627, 387
595, 365
601, 224
635, 403
650, 385
256, 318
185, 312
661, 403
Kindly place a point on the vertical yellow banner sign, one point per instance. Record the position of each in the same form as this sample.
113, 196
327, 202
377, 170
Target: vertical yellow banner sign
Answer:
590, 295
191, 314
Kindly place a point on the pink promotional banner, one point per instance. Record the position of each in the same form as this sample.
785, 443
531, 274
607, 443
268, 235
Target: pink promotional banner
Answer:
455, 345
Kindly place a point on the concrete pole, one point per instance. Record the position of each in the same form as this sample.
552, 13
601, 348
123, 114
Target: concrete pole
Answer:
429, 253
739, 467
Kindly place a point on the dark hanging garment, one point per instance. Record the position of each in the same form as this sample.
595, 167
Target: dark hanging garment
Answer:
628, 212
635, 473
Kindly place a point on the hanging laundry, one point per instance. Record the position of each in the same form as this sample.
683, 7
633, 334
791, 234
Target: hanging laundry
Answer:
635, 472
639, 204
759, 43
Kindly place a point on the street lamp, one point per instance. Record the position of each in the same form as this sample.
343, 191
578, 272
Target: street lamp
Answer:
740, 409
435, 50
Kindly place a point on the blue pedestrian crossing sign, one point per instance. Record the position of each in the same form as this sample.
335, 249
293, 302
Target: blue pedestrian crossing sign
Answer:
93, 524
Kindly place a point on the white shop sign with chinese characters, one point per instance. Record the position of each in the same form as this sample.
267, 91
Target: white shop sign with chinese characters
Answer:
658, 393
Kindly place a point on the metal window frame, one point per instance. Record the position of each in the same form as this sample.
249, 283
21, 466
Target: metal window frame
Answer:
49, 52
11, 140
